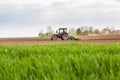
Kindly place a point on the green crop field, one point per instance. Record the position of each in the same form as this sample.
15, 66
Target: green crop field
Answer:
60, 62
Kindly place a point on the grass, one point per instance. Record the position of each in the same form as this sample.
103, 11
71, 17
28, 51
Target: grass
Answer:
60, 62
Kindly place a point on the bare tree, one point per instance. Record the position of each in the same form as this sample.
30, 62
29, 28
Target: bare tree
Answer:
49, 31
71, 31
90, 29
41, 34
84, 30
80, 30
96, 31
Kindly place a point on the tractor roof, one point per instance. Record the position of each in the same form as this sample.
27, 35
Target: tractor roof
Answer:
62, 28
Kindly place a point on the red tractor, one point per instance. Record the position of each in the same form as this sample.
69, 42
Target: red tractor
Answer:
62, 33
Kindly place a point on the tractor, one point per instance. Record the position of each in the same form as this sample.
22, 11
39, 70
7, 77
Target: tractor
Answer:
62, 33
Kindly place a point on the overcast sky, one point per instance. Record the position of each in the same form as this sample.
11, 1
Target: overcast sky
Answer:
20, 18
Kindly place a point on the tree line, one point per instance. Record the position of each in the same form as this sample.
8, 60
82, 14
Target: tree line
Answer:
85, 30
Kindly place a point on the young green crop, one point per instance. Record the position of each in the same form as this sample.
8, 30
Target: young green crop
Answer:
60, 62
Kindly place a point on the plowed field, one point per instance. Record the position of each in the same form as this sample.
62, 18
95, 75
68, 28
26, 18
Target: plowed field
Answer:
99, 39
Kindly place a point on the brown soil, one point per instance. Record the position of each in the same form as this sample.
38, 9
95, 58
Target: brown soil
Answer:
99, 39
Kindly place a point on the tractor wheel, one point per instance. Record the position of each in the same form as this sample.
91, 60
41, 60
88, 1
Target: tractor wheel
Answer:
65, 37
54, 38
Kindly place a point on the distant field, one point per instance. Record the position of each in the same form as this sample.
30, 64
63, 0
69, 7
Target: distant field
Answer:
60, 62
98, 39
103, 37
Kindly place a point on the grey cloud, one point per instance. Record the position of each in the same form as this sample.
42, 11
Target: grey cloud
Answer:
59, 13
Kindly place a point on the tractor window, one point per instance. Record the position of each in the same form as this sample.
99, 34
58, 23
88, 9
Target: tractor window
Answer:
61, 31
65, 31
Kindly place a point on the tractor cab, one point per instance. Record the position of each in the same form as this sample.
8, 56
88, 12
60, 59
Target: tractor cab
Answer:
62, 30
